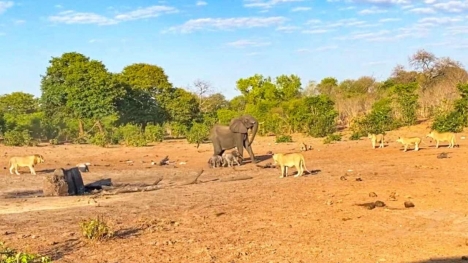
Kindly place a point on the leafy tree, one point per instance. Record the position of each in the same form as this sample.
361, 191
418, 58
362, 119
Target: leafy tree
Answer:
455, 120
78, 87
407, 101
18, 103
327, 86
182, 107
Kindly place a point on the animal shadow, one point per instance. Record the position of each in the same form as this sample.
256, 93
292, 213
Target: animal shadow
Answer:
443, 260
45, 171
62, 249
23, 194
128, 232
259, 158
312, 172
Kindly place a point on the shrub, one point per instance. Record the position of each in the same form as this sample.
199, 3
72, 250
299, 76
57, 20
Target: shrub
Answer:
332, 138
154, 133
407, 102
17, 138
379, 120
178, 130
283, 138
96, 229
100, 139
197, 133
132, 135
449, 122
356, 136
9, 255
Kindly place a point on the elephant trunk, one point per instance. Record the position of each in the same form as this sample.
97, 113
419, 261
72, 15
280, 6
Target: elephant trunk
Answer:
254, 132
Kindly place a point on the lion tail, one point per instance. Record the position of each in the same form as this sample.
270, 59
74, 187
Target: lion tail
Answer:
303, 163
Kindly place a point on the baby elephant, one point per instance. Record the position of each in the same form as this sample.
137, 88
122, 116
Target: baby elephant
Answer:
230, 159
215, 161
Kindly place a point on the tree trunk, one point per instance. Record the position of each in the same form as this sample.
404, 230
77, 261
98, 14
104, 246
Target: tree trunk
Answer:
81, 128
98, 123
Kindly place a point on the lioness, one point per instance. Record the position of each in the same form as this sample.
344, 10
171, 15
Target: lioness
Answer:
24, 161
290, 160
376, 138
410, 140
442, 137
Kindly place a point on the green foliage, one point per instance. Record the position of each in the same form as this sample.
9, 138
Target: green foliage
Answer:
17, 138
9, 255
407, 101
379, 120
283, 138
96, 229
197, 133
225, 116
100, 139
154, 133
356, 136
332, 138
455, 120
319, 114
18, 103
132, 135
178, 130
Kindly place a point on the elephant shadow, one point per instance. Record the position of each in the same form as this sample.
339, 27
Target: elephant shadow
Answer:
259, 158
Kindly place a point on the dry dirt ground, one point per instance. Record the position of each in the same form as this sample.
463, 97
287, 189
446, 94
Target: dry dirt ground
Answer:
315, 218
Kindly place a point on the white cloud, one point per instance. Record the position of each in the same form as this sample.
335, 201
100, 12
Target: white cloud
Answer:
19, 22
73, 17
373, 10
315, 31
58, 6
247, 43
422, 10
287, 29
151, 11
325, 48
228, 23
303, 50
375, 63
384, 2
452, 6
266, 4
201, 3
435, 21
4, 5
300, 9
386, 20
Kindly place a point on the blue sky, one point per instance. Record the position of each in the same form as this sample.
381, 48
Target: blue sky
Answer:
224, 40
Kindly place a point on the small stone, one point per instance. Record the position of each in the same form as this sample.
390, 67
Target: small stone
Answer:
372, 194
409, 204
379, 204
359, 179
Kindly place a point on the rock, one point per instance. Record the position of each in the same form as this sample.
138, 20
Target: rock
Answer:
409, 204
55, 184
372, 194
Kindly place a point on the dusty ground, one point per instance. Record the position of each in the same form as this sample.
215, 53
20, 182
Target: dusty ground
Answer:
266, 219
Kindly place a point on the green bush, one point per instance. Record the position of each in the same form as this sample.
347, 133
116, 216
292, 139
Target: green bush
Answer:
178, 129
18, 138
132, 135
332, 138
154, 133
319, 113
197, 133
356, 136
9, 255
100, 139
96, 229
379, 120
407, 102
455, 120
283, 138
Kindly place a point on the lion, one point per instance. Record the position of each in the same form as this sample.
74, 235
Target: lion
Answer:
25, 161
409, 141
442, 137
290, 160
376, 138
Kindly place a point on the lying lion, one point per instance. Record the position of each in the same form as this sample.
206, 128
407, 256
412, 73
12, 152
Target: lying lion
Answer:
25, 161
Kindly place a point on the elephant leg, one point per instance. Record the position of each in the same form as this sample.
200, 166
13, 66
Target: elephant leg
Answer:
240, 149
249, 150
217, 149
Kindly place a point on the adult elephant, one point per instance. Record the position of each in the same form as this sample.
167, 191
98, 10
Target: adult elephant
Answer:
234, 135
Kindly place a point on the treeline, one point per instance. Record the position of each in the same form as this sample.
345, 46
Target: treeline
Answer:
82, 102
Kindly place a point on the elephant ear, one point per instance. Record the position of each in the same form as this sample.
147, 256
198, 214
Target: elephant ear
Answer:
237, 126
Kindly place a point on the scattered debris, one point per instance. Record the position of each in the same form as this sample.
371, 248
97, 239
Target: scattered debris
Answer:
235, 178
442, 155
359, 179
372, 194
83, 167
164, 161
343, 178
268, 165
182, 163
409, 204
393, 196
269, 153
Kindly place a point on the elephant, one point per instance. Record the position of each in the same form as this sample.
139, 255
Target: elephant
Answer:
235, 135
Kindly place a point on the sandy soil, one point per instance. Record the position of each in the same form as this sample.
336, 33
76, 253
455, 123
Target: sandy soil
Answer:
315, 218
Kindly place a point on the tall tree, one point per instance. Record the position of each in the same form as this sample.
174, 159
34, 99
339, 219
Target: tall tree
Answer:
18, 103
76, 86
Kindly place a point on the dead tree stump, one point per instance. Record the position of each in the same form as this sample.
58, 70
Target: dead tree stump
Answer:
74, 180
55, 184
